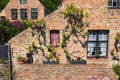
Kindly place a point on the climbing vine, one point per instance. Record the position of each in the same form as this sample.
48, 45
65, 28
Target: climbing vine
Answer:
38, 28
75, 27
115, 52
52, 53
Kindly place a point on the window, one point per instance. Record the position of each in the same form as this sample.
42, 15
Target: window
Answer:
14, 14
23, 1
34, 13
2, 17
54, 37
97, 43
23, 13
114, 3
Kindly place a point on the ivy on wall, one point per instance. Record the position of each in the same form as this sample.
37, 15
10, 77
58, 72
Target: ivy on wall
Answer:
115, 52
76, 27
38, 29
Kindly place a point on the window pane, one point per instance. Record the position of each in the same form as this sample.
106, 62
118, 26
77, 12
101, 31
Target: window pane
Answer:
114, 3
2, 17
91, 48
14, 14
54, 37
102, 48
23, 1
52, 41
92, 36
110, 3
102, 36
34, 13
97, 42
23, 13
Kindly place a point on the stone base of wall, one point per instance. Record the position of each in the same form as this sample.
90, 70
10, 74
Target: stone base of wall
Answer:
65, 72
97, 61
4, 71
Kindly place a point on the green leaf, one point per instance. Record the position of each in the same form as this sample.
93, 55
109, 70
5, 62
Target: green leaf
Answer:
86, 14
118, 36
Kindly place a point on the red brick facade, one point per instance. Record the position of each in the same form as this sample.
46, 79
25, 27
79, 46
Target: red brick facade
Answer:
100, 18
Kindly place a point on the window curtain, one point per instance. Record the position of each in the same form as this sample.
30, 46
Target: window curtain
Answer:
103, 48
91, 46
92, 37
54, 37
102, 36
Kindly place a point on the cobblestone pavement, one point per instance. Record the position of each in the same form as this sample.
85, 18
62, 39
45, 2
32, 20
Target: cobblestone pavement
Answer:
64, 72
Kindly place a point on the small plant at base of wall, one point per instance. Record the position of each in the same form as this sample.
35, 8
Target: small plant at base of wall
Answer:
116, 69
79, 60
97, 55
52, 58
117, 42
20, 59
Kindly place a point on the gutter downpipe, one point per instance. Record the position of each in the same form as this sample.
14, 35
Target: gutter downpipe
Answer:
10, 61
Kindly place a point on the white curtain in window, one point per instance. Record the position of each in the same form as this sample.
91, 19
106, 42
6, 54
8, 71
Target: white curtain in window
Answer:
103, 48
102, 36
92, 37
91, 46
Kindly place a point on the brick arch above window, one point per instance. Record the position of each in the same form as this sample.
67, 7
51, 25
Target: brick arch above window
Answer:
97, 27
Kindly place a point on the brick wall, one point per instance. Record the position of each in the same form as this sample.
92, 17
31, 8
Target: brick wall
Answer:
4, 71
15, 4
100, 18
